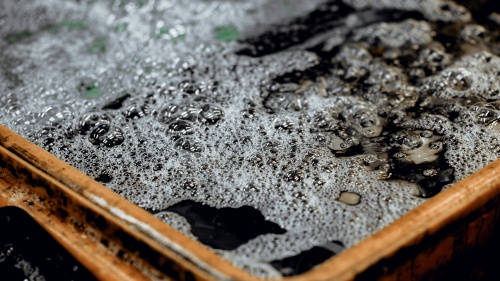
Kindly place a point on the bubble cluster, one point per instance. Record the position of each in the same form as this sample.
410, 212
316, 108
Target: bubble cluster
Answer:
330, 134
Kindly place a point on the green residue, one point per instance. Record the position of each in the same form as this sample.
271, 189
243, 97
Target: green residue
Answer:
163, 31
16, 37
179, 37
92, 92
121, 27
226, 33
139, 4
71, 25
173, 35
98, 46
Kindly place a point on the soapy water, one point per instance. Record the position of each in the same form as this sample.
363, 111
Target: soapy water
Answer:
330, 118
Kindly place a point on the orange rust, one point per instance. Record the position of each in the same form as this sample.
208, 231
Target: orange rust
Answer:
103, 264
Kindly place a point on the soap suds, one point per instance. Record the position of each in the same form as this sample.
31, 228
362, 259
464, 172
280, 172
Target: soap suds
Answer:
155, 100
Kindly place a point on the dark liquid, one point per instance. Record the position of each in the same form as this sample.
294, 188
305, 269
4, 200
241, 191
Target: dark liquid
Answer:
307, 259
224, 228
28, 252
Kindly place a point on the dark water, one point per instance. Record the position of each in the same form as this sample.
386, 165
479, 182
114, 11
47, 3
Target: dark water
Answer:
224, 228
27, 252
308, 259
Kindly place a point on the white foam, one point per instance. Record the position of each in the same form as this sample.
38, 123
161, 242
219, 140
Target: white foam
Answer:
151, 51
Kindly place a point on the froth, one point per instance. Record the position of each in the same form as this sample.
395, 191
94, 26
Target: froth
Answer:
154, 101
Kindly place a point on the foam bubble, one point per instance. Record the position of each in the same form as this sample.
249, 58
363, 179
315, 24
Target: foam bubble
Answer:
154, 101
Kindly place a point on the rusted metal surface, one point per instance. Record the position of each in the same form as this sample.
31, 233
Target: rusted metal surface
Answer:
117, 240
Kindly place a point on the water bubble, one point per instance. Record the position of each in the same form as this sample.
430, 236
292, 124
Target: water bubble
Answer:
486, 116
10, 104
168, 114
318, 181
384, 171
495, 148
189, 87
432, 58
324, 121
473, 34
251, 187
210, 114
55, 115
190, 113
410, 141
296, 176
136, 111
190, 184
436, 145
181, 126
113, 138
105, 135
189, 145
426, 134
330, 167
459, 80
157, 167
301, 196
430, 172
88, 121
98, 132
